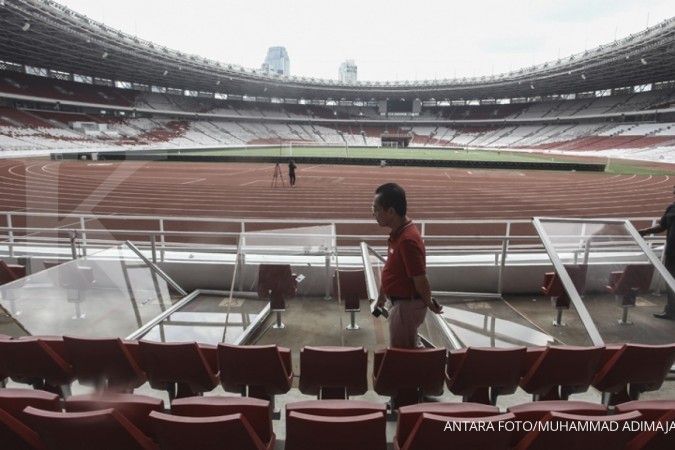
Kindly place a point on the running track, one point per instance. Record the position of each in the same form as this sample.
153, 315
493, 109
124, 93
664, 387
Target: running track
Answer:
323, 191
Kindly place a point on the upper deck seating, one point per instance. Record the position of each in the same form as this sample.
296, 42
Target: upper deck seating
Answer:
407, 375
333, 372
562, 370
102, 430
482, 374
179, 368
105, 363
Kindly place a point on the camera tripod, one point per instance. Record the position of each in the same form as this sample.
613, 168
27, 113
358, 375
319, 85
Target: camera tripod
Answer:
278, 177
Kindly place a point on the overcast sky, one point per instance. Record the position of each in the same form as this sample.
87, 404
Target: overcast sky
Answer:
388, 39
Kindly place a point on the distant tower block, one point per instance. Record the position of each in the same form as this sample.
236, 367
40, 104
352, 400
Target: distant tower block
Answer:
277, 61
348, 71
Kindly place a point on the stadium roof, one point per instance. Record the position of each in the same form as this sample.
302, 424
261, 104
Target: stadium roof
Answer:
45, 34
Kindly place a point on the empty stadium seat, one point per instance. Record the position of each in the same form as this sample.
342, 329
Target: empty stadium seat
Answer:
536, 411
105, 429
553, 287
561, 371
409, 415
650, 409
179, 368
407, 375
480, 375
430, 433
15, 435
260, 371
632, 370
590, 439
351, 289
11, 272
205, 433
655, 439
276, 282
311, 432
14, 401
335, 408
627, 284
333, 372
32, 360
136, 408
104, 363
257, 412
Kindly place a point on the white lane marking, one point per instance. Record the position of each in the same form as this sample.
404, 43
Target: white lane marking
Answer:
250, 182
197, 180
469, 172
447, 175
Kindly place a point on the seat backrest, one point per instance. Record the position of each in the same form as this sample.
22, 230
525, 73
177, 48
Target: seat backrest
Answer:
640, 365
14, 401
335, 408
352, 287
277, 278
176, 362
431, 433
577, 272
488, 367
102, 430
257, 412
601, 433
651, 410
408, 415
311, 432
16, 435
563, 366
655, 439
411, 368
205, 433
253, 365
98, 360
32, 358
334, 367
635, 277
136, 408
7, 275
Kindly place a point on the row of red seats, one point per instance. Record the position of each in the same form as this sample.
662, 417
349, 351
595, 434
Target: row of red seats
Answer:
29, 419
480, 375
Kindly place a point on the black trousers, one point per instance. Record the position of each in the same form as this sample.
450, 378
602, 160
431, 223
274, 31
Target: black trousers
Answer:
291, 176
670, 304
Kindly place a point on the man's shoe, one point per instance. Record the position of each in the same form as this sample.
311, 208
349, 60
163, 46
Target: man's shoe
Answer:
664, 315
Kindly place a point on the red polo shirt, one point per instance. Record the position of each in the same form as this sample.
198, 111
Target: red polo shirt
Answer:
406, 259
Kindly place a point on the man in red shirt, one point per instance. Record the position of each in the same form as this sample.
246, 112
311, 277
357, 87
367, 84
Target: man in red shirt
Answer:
404, 278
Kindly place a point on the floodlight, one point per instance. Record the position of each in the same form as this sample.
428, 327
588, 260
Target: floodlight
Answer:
26, 26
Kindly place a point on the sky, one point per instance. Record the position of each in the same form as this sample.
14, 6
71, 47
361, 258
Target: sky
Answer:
389, 40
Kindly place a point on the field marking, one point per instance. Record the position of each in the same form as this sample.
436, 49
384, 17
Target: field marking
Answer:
447, 175
251, 182
196, 180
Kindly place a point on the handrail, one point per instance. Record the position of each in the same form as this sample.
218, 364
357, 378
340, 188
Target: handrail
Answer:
156, 269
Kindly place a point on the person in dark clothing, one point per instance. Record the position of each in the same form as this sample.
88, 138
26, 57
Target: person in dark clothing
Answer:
666, 223
291, 172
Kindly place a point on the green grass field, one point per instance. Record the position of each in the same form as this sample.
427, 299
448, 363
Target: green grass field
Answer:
615, 166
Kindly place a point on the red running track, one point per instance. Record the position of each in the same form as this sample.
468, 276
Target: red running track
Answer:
238, 190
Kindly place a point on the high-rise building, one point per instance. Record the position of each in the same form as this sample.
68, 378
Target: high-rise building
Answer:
277, 61
347, 73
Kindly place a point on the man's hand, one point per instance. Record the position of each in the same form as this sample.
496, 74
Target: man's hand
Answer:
381, 299
435, 307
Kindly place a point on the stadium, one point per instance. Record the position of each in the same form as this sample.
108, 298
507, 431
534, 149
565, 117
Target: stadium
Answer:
163, 286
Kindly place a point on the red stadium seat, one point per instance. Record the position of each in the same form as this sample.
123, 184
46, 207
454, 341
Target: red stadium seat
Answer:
351, 290
480, 375
561, 371
101, 430
312, 432
14, 401
335, 408
15, 435
553, 287
651, 410
430, 433
11, 272
333, 372
632, 370
34, 361
104, 363
409, 415
260, 371
407, 375
257, 412
627, 284
536, 411
276, 282
179, 368
655, 439
136, 408
205, 433
595, 437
